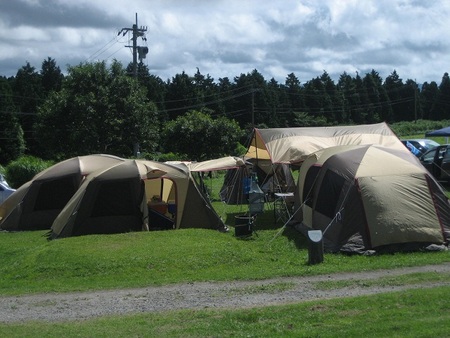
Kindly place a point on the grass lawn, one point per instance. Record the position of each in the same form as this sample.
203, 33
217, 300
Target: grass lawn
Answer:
31, 264
418, 313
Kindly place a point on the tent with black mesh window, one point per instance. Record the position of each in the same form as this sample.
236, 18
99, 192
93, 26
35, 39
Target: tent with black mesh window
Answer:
35, 204
371, 197
140, 195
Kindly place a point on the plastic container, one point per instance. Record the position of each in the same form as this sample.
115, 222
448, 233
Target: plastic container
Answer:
243, 225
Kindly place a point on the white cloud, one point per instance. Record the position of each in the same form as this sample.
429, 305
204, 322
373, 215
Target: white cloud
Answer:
228, 37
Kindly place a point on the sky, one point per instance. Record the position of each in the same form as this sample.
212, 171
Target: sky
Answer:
227, 38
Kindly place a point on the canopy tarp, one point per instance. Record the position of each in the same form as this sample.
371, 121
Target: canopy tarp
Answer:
293, 145
224, 163
439, 132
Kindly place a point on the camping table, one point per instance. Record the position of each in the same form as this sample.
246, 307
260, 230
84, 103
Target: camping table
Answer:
282, 206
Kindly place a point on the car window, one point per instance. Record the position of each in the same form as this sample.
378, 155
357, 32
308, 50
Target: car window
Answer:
447, 154
430, 143
428, 156
442, 152
416, 144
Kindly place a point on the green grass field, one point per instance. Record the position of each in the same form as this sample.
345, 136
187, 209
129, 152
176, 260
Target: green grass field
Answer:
29, 263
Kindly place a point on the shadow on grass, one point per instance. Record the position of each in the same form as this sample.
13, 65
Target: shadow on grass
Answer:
266, 221
300, 241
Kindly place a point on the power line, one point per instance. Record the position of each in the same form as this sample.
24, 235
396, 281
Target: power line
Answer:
102, 49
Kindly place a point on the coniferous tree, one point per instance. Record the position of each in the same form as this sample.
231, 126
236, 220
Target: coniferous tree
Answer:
411, 101
394, 88
180, 96
227, 94
317, 101
443, 100
428, 100
334, 112
293, 87
378, 108
293, 98
27, 89
359, 113
350, 98
274, 115
250, 90
206, 93
155, 86
51, 76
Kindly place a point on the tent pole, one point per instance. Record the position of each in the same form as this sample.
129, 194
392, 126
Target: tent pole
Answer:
256, 145
285, 224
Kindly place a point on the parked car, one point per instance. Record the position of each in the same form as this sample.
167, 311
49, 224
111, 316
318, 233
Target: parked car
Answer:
419, 146
437, 161
5, 191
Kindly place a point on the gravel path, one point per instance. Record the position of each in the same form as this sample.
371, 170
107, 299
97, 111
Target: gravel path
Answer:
237, 294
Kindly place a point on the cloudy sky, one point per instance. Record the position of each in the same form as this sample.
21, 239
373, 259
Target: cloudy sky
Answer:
225, 38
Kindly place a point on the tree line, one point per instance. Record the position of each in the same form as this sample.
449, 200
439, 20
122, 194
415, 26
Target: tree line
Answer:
100, 108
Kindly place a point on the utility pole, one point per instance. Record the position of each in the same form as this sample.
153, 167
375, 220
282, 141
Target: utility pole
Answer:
142, 51
415, 101
253, 108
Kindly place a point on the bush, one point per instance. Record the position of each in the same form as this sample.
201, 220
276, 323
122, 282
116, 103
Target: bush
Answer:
24, 169
419, 127
3, 174
165, 157
240, 150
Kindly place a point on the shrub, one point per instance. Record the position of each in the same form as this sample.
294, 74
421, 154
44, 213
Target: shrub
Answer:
24, 169
166, 157
417, 127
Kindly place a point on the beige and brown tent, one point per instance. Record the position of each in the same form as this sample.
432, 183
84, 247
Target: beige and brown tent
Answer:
160, 196
372, 198
293, 145
110, 200
35, 204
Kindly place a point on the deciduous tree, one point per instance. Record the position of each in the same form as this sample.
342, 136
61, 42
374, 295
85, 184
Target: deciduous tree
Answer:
98, 110
12, 143
201, 137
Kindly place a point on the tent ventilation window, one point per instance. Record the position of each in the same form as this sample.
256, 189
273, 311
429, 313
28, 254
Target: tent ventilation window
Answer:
330, 190
308, 186
56, 193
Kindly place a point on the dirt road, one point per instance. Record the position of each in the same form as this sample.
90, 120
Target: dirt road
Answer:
236, 294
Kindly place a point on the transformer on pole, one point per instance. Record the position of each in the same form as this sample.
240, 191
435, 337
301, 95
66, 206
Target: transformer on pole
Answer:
141, 50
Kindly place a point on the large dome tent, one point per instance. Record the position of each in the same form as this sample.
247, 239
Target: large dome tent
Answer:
373, 198
35, 204
120, 199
